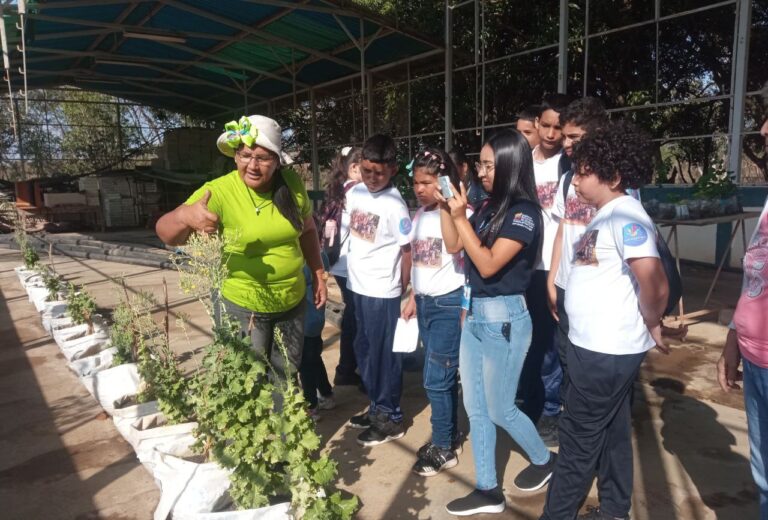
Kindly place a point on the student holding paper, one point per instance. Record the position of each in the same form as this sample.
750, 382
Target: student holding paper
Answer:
437, 277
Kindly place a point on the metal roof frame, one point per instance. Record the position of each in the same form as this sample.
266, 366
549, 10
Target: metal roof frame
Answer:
250, 52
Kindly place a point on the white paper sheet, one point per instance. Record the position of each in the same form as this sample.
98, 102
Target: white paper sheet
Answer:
406, 335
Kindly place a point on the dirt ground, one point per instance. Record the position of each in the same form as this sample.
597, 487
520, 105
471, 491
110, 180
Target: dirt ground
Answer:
691, 450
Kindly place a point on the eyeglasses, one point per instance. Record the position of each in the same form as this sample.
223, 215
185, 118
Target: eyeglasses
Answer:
484, 166
260, 159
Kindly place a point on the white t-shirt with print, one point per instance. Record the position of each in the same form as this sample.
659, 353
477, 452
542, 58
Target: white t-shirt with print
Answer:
379, 225
546, 173
435, 271
340, 267
601, 299
575, 216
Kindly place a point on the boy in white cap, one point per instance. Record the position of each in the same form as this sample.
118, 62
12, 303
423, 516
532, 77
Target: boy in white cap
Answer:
265, 210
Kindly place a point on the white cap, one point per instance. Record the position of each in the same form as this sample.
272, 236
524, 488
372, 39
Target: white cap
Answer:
269, 136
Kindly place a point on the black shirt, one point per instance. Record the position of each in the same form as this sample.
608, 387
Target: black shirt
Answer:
522, 223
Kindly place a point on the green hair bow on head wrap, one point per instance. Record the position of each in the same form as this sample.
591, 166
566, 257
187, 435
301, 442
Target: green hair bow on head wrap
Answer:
241, 132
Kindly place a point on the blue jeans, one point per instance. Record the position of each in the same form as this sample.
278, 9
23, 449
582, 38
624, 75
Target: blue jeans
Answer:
380, 369
494, 342
440, 331
756, 405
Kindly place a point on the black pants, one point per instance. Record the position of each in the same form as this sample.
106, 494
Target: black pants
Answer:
595, 435
347, 362
561, 339
312, 371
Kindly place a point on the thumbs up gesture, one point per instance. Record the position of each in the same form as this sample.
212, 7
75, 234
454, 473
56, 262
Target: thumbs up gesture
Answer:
198, 217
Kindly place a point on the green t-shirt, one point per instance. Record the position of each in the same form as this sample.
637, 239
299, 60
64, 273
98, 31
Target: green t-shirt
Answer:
265, 260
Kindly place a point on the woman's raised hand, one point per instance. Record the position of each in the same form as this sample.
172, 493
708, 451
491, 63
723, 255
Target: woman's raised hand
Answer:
456, 205
198, 217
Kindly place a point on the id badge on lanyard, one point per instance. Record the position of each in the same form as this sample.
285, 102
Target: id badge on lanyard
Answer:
466, 297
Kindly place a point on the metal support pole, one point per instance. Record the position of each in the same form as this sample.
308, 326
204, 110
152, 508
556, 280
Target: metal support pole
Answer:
738, 85
119, 133
15, 106
363, 102
448, 78
408, 98
585, 79
369, 91
482, 73
315, 160
562, 61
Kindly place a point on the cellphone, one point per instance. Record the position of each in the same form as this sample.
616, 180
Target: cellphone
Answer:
445, 186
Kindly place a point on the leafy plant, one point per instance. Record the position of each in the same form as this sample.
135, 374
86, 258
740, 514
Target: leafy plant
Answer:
138, 337
80, 306
52, 283
715, 183
121, 334
251, 422
28, 253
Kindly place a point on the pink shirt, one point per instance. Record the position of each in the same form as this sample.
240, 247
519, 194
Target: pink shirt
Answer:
752, 309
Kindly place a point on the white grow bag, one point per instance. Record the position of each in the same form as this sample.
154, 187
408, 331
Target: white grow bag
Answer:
84, 347
113, 384
152, 431
90, 365
186, 488
54, 317
276, 512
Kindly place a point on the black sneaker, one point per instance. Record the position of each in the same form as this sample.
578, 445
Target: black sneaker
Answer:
380, 433
548, 431
535, 477
434, 460
489, 501
456, 445
594, 513
360, 422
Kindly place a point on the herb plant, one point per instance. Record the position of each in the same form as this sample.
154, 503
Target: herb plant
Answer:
80, 306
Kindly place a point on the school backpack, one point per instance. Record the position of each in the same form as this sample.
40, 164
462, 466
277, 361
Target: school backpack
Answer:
668, 261
674, 279
330, 227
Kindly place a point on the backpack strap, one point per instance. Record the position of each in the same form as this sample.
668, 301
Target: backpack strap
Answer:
566, 185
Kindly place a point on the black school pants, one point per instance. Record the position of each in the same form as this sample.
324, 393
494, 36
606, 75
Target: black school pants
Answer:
595, 431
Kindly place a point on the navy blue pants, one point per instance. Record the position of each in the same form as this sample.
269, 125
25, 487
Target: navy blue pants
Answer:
347, 367
380, 368
540, 382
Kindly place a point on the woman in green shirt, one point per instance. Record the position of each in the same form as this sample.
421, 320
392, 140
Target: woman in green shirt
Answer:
264, 209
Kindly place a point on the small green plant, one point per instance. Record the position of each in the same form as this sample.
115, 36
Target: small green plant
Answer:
52, 283
715, 183
80, 306
674, 198
121, 334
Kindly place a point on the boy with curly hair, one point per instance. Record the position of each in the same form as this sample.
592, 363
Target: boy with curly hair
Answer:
616, 258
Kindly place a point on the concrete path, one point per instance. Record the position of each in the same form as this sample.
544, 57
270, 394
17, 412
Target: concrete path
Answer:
691, 451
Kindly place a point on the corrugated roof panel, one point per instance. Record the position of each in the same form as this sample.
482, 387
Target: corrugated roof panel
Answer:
309, 32
103, 13
244, 12
80, 43
264, 57
388, 49
177, 20
133, 47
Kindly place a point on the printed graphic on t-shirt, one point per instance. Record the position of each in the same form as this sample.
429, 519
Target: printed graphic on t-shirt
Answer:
634, 234
755, 260
578, 212
524, 221
584, 251
427, 252
363, 225
546, 192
